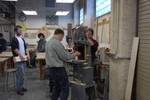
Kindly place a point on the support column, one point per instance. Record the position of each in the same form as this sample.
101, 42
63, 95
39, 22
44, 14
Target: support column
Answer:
123, 28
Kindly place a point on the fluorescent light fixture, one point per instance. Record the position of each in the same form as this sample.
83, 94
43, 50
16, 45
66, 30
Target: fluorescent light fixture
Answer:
61, 13
64, 1
9, 0
30, 12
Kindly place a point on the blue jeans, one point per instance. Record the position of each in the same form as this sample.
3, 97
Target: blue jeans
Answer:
61, 83
20, 71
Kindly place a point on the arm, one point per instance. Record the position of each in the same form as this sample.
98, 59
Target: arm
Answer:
91, 42
18, 53
63, 54
26, 50
95, 45
28, 54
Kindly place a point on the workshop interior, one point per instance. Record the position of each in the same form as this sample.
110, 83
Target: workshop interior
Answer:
112, 38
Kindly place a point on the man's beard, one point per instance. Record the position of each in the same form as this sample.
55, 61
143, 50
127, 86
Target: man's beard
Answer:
18, 34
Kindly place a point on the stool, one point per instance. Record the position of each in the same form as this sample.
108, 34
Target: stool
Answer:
7, 72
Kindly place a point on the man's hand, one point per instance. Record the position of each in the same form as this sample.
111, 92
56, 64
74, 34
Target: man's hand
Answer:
28, 57
77, 53
21, 57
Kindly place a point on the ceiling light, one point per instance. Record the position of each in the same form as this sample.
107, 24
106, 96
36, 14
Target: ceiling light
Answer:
64, 1
9, 0
61, 13
30, 12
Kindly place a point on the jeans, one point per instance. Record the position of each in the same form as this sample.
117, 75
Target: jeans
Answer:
61, 83
20, 71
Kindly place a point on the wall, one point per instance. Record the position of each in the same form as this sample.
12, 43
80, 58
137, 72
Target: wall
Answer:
7, 31
89, 16
76, 14
40, 20
32, 21
103, 30
123, 26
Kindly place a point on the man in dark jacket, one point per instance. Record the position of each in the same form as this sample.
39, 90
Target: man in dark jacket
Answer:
19, 48
3, 43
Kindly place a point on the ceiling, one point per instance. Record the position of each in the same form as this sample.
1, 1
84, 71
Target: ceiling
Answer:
8, 8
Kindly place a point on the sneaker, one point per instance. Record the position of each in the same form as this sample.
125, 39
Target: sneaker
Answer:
24, 90
20, 93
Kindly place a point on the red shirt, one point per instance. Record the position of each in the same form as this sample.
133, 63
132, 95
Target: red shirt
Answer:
94, 49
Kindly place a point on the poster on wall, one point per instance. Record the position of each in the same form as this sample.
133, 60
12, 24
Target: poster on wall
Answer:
51, 19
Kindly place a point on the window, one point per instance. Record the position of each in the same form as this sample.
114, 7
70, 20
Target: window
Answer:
102, 7
81, 15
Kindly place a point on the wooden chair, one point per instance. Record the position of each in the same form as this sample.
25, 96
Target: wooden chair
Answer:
8, 70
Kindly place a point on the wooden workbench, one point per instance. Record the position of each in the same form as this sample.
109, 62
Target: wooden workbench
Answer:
3, 64
8, 55
43, 69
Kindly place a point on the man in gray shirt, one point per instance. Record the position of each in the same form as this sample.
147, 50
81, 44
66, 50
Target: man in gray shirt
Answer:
56, 55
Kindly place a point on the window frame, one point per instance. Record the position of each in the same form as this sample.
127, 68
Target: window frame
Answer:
106, 7
81, 16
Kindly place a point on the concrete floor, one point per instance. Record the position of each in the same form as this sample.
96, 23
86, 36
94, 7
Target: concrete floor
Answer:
37, 89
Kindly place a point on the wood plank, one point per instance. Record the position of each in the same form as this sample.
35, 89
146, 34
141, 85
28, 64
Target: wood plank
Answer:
3, 59
40, 56
132, 68
49, 28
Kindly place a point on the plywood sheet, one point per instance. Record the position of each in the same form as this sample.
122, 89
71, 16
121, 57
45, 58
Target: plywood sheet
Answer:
132, 68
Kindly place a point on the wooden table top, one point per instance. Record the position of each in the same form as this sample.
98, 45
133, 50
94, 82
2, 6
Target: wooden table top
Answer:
105, 63
6, 54
3, 59
40, 56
